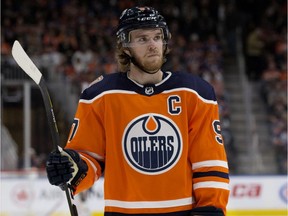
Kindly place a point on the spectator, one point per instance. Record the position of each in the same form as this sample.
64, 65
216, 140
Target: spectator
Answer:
254, 51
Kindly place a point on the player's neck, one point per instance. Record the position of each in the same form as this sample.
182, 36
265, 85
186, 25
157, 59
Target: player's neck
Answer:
143, 78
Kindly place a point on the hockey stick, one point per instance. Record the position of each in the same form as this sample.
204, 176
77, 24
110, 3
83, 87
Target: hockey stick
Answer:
32, 71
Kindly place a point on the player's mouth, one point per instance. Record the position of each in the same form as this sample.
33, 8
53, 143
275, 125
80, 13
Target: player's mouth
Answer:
153, 55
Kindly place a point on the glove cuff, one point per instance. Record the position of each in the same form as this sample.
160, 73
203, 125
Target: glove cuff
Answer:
82, 168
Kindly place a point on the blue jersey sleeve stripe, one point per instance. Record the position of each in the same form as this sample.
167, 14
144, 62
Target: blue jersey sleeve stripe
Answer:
211, 174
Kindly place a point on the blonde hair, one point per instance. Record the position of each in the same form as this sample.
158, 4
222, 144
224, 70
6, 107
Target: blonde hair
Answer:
123, 60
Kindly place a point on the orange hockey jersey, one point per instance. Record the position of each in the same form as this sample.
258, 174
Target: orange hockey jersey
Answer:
161, 145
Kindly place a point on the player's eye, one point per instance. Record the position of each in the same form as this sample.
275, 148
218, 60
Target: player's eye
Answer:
143, 40
158, 38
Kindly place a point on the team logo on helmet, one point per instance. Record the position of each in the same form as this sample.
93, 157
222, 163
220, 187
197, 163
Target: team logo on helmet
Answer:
152, 144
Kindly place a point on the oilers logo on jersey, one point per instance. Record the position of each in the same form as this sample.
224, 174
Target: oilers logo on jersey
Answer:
152, 144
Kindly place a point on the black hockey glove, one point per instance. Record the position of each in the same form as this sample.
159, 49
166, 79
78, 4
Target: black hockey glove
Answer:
207, 211
65, 166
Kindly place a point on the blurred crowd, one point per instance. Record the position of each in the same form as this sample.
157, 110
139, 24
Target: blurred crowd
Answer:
266, 57
274, 92
74, 41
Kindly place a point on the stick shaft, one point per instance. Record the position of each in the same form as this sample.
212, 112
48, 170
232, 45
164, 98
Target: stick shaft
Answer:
50, 113
33, 72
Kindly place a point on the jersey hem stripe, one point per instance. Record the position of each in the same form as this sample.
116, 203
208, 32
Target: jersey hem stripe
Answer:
149, 204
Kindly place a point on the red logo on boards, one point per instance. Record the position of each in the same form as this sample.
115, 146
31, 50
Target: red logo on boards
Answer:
22, 195
246, 190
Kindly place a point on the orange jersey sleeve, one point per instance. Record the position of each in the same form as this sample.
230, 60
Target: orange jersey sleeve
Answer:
161, 145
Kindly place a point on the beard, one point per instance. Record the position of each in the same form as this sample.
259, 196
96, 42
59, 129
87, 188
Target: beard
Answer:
150, 64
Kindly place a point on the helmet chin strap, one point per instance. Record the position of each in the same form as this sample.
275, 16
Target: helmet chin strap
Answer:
133, 60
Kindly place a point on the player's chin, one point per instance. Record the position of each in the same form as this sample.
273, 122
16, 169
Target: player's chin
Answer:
152, 69
154, 60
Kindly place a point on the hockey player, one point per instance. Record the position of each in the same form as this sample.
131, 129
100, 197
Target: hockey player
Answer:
155, 133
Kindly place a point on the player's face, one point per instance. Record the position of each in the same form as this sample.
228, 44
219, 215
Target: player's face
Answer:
146, 46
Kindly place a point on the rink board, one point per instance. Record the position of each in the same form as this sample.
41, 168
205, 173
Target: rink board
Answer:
29, 195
